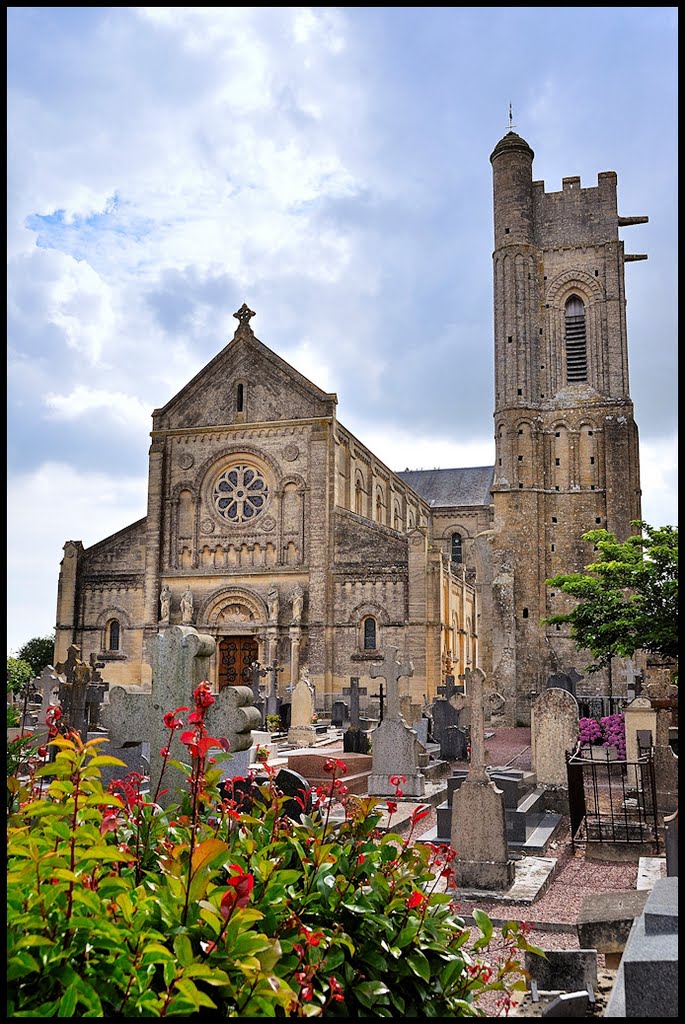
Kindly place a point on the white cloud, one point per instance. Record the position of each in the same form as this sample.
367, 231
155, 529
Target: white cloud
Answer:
124, 409
45, 508
659, 481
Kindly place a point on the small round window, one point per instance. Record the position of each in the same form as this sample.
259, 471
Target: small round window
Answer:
240, 494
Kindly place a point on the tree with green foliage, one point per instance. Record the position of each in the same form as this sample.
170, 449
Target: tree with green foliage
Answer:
627, 598
38, 652
19, 673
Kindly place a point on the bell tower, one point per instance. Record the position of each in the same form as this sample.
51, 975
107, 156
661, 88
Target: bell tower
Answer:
566, 442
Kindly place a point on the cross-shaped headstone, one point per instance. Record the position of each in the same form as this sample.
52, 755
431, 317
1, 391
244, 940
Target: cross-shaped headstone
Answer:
75, 690
353, 691
392, 670
449, 689
257, 673
272, 698
47, 684
180, 661
478, 697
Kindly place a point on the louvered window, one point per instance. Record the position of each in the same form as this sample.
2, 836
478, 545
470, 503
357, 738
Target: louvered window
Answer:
576, 347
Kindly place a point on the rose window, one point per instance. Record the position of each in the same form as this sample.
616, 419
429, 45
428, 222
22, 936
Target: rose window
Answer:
240, 494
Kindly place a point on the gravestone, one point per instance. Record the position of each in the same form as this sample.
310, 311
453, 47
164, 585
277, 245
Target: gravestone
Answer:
78, 682
445, 715
356, 740
47, 686
301, 732
354, 691
553, 731
396, 749
479, 828
565, 970
638, 716
273, 701
180, 662
290, 783
258, 699
338, 713
454, 744
664, 698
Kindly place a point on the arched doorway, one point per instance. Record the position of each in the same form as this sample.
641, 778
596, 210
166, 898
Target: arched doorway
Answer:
236, 655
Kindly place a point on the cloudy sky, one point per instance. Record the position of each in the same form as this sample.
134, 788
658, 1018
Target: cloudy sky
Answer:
330, 167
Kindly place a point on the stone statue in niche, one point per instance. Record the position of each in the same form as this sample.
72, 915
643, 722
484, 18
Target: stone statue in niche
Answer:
298, 602
187, 607
272, 603
165, 604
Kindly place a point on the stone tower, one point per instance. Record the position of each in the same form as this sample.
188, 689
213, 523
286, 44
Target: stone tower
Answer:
566, 443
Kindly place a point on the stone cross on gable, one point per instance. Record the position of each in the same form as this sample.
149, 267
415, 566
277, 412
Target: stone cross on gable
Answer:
180, 662
392, 671
478, 697
353, 691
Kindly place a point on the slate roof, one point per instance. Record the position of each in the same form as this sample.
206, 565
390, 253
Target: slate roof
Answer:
445, 487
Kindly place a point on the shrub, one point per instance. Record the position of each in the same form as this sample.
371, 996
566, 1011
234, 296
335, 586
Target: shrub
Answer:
227, 907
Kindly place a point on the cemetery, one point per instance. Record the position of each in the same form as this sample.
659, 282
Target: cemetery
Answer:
515, 817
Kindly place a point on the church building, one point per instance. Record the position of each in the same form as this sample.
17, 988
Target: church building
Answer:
275, 530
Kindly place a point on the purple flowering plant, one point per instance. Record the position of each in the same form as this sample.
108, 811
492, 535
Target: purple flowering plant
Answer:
610, 731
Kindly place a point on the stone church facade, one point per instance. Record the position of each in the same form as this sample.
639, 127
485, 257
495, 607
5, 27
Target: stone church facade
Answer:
274, 529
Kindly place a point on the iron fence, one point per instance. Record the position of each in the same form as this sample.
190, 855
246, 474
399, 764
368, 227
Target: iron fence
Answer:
612, 801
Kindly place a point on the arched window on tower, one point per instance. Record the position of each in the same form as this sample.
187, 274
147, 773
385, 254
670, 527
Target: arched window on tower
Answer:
370, 637
456, 548
576, 346
113, 635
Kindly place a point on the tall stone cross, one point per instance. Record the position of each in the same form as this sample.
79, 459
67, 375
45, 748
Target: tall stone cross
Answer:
47, 684
392, 670
257, 673
272, 698
478, 697
354, 691
180, 661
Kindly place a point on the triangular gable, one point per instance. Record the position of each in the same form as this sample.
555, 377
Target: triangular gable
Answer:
274, 390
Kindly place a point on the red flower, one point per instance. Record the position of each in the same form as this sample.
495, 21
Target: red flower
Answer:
333, 765
392, 806
415, 899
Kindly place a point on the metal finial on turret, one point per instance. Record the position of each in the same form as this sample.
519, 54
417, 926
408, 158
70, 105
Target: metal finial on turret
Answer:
511, 120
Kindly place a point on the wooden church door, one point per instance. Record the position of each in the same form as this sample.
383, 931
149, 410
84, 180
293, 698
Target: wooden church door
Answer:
236, 654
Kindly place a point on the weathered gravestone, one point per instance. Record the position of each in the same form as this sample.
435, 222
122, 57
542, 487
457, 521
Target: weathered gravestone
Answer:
81, 686
47, 686
396, 749
664, 698
553, 732
338, 713
479, 828
354, 691
180, 662
258, 700
290, 783
301, 732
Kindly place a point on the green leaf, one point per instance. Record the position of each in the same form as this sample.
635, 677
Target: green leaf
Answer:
419, 965
183, 949
485, 925
67, 1003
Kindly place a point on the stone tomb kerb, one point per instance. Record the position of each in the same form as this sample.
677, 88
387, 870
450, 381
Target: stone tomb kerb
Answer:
180, 662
